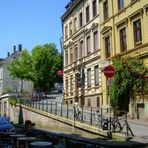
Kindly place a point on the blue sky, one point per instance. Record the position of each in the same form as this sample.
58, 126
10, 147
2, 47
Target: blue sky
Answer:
30, 23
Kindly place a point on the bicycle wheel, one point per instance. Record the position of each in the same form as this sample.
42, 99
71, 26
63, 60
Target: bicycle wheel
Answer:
116, 125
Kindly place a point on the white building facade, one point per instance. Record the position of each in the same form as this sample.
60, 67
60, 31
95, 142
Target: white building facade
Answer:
8, 83
81, 52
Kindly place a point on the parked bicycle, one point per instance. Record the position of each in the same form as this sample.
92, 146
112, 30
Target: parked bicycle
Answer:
115, 124
108, 123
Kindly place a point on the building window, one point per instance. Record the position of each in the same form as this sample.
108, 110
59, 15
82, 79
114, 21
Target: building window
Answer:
89, 102
67, 85
87, 14
98, 101
66, 60
89, 77
94, 8
120, 4
71, 84
80, 19
71, 56
123, 45
66, 33
95, 40
105, 9
96, 75
76, 53
137, 32
70, 28
88, 44
81, 48
107, 47
75, 24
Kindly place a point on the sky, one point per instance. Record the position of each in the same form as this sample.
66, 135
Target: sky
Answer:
30, 23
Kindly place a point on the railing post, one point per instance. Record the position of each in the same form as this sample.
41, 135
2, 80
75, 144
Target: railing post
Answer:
61, 109
82, 113
42, 105
101, 117
30, 103
67, 110
33, 104
36, 105
56, 108
51, 108
39, 104
91, 116
46, 105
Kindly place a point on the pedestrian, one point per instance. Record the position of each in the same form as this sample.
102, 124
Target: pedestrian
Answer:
28, 128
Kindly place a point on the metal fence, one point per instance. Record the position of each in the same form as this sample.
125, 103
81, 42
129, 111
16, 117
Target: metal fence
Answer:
103, 118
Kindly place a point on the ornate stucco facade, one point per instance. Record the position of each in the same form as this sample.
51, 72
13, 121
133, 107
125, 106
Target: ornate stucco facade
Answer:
81, 34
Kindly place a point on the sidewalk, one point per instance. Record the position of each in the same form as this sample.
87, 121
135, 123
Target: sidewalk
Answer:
138, 122
140, 130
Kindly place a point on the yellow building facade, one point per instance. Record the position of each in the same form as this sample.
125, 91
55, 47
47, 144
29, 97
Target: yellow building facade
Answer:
124, 32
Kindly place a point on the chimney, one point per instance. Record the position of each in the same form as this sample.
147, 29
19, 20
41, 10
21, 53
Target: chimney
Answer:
20, 47
14, 48
8, 54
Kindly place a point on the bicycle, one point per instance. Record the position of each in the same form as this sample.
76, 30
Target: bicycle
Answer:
115, 124
102, 121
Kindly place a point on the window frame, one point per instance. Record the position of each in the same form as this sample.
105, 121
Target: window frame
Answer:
107, 44
137, 31
96, 74
71, 56
89, 77
66, 32
66, 58
87, 14
123, 39
120, 4
80, 19
81, 48
75, 24
70, 28
88, 44
105, 10
66, 82
95, 40
76, 52
94, 7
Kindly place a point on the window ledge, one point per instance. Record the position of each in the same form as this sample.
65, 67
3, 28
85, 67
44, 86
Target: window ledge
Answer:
138, 43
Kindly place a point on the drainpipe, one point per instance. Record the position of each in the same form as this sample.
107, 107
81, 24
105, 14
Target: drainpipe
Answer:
114, 37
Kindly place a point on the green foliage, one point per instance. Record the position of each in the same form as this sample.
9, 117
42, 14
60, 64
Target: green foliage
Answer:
47, 61
40, 67
13, 101
8, 90
21, 66
129, 73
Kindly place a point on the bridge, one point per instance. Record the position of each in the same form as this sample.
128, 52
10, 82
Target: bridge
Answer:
51, 114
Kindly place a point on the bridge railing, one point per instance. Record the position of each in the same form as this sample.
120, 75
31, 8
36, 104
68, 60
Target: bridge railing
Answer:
101, 117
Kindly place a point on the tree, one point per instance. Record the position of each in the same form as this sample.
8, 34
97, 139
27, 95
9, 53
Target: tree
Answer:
47, 61
129, 74
40, 67
21, 67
